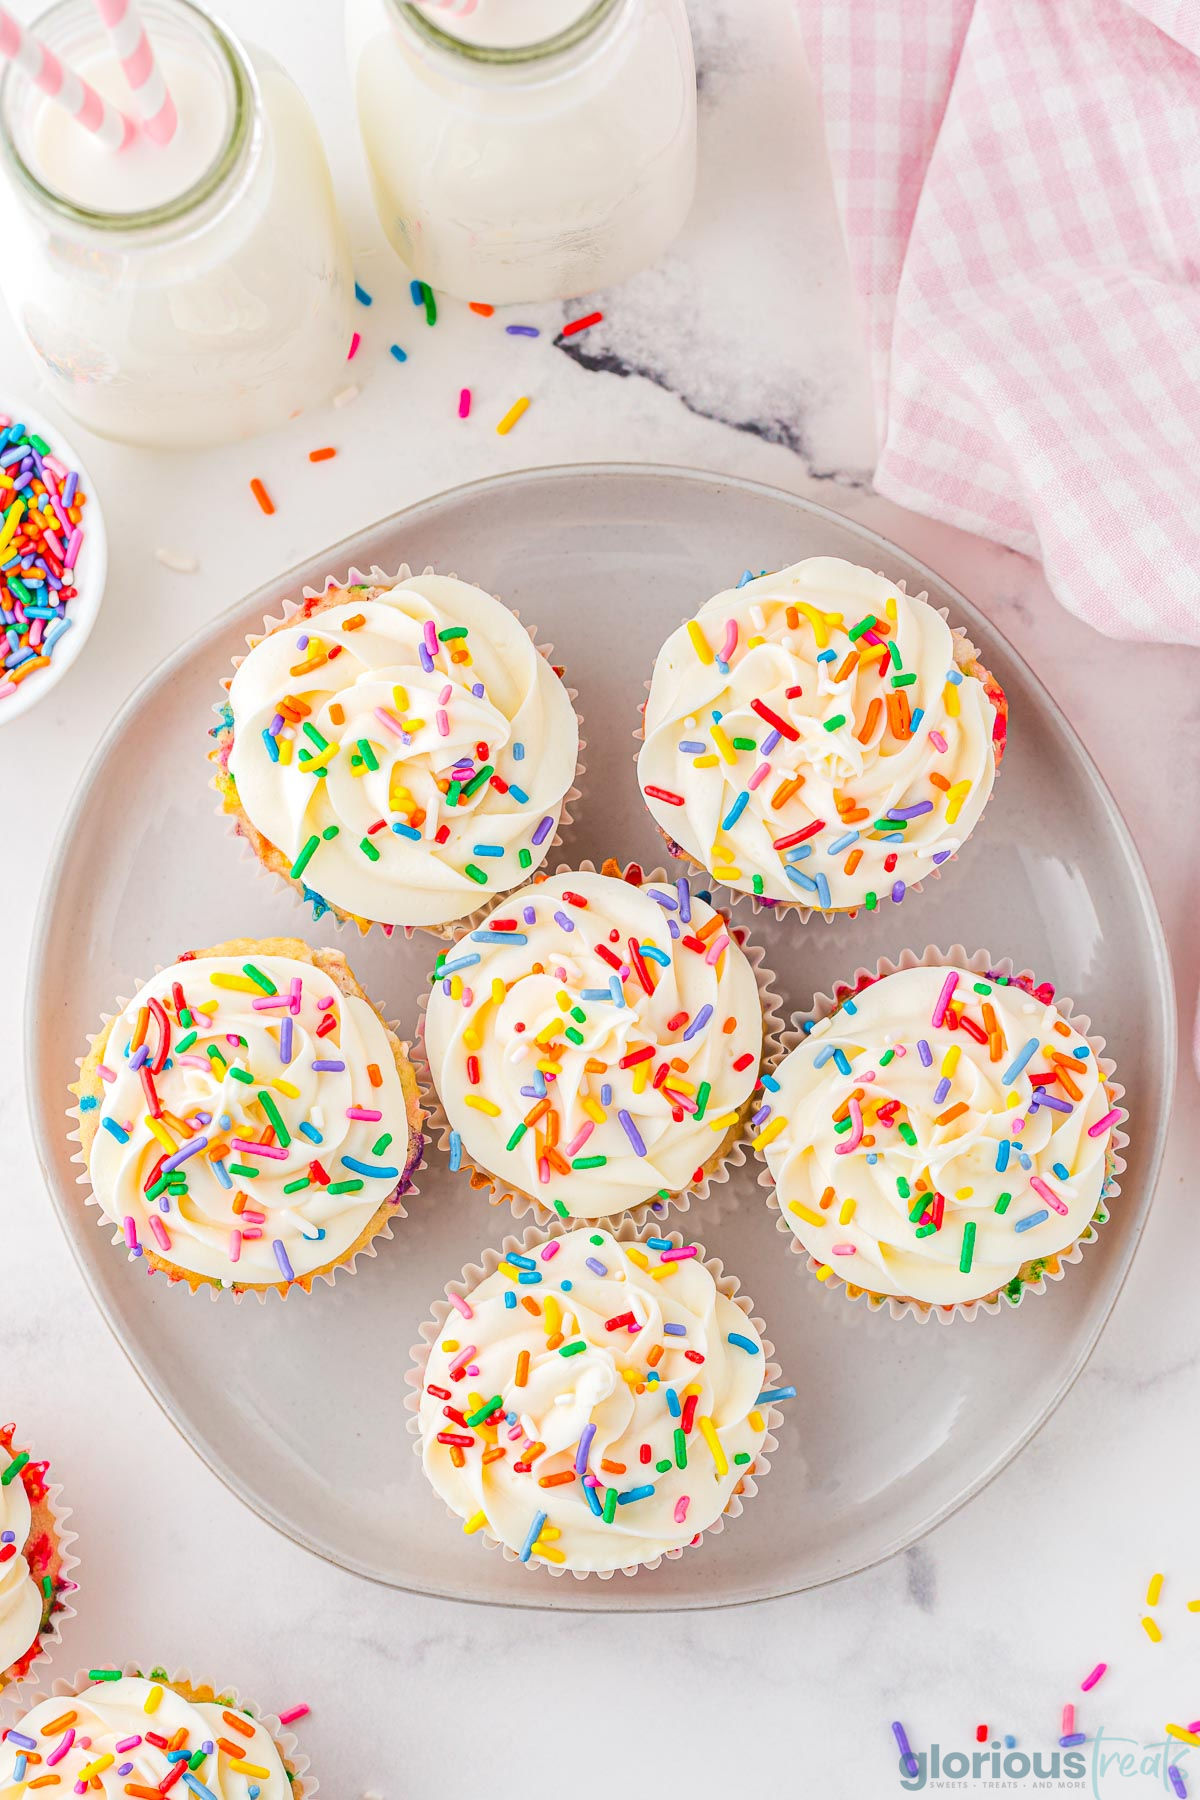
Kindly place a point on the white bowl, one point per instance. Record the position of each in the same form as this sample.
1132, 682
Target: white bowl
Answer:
90, 571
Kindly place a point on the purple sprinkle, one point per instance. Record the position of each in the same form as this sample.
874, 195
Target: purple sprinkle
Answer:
1042, 1098
530, 916
8, 1537
585, 1444
665, 900
281, 1257
477, 688
426, 660
596, 1266
925, 1053
173, 1162
769, 743
302, 641
544, 829
1177, 1781
898, 892
522, 331
698, 1023
911, 1766
675, 1330
285, 1039
334, 1067
685, 899
22, 1743
560, 918
941, 1090
631, 1131
941, 856
1073, 1738
910, 812
124, 1768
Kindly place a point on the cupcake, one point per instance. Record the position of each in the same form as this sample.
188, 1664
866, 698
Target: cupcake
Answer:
819, 739
595, 1044
248, 1121
34, 1561
399, 753
943, 1136
125, 1733
590, 1402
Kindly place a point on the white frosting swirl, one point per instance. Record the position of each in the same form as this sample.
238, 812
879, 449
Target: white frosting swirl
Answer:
429, 781
915, 1160
528, 1030
804, 764
21, 1604
102, 1737
248, 1202
606, 1374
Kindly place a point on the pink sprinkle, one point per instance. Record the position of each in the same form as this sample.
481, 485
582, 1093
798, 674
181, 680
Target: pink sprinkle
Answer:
580, 1139
759, 776
731, 638
194, 1062
1068, 1720
938, 742
355, 341
294, 1713
549, 1250
159, 1232
251, 1237
1051, 1199
364, 1112
325, 1002
129, 1743
1102, 1125
253, 1218
460, 1305
680, 1255
276, 1152
544, 1172
60, 1749
681, 1507
131, 1237
462, 1359
856, 1131
464, 404
719, 944
1089, 1681
431, 637
444, 696
7, 688
295, 994
74, 545
269, 1005
442, 722
844, 1250
390, 720
943, 999
105, 1073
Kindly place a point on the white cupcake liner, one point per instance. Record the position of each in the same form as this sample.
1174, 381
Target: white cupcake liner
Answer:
406, 1187
50, 1637
980, 962
647, 1213
624, 1233
316, 904
304, 1785
965, 653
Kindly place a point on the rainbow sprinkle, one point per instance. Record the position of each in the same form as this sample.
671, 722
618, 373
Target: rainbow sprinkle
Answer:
41, 537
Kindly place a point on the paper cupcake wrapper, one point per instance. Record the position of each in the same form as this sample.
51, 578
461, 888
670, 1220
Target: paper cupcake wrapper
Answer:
981, 962
236, 820
392, 1210
624, 1233
966, 658
729, 1153
50, 1636
303, 1785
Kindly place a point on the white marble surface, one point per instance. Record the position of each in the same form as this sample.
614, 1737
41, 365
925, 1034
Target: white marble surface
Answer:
739, 353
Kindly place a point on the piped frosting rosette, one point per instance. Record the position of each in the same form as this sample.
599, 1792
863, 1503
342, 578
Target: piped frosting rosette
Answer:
36, 1563
596, 1043
819, 739
119, 1732
248, 1121
594, 1401
398, 751
944, 1135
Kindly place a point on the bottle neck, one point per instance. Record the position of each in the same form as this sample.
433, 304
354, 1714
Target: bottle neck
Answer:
472, 43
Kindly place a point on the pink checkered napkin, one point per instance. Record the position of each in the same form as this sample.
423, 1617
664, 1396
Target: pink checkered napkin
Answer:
1019, 183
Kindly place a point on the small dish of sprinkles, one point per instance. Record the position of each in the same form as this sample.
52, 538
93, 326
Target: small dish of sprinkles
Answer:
53, 558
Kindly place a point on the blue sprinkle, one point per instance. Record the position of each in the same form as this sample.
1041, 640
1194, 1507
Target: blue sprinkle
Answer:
748, 576
520, 1262
823, 896
1018, 1062
843, 843
518, 793
1061, 1170
779, 1393
743, 1343
399, 354
842, 1061
222, 1173
518, 751
361, 294
589, 1494
498, 937
691, 747
736, 810
673, 1406
408, 831
488, 850
1032, 1219
272, 746
800, 878
1003, 1152
510, 1299
637, 1493
461, 962
309, 1131
361, 1168
118, 1131
417, 291
455, 1150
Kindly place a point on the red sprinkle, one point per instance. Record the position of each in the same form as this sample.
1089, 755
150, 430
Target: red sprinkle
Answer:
773, 718
798, 837
582, 324
657, 793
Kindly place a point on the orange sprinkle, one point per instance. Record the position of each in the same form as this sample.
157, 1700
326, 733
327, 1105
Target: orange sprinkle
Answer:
940, 781
654, 1355
373, 1075
323, 454
785, 790
951, 1113
531, 1305
869, 723
611, 1468
261, 495
522, 1374
494, 1454
236, 1724
482, 308
559, 1480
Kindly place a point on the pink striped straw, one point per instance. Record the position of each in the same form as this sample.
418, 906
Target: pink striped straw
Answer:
63, 85
156, 109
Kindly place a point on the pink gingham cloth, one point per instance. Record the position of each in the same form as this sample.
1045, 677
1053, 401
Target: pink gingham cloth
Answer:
1019, 183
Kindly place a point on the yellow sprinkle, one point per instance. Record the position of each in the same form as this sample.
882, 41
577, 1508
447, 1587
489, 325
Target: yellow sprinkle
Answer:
707, 761
450, 1344
244, 985
400, 699
756, 1421
550, 1067
322, 759
806, 1213
285, 750
641, 1075
824, 1272
93, 1768
950, 1060
638, 1257
700, 643
509, 1269
499, 991
723, 744
549, 1552
847, 1211
819, 621
456, 987
481, 1105
549, 1534
551, 1315
549, 1032
663, 1270
516, 411
1014, 1099
1151, 1630
153, 1699
247, 1768
1193, 1605
1183, 1734
770, 1132
475, 1523
472, 1039
594, 1110
891, 606
287, 1088
963, 1193
724, 1122
160, 1131
1154, 1590
708, 1433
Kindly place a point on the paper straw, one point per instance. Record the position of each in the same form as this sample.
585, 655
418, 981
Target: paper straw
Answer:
156, 109
61, 84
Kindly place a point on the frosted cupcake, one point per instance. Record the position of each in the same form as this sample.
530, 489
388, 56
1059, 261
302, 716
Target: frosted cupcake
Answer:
33, 1561
400, 754
819, 739
595, 1044
248, 1119
124, 1733
942, 1136
593, 1403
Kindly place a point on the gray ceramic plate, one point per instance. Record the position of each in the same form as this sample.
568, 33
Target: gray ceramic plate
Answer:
299, 1407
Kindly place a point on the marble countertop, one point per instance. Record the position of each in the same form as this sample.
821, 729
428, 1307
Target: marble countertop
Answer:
739, 353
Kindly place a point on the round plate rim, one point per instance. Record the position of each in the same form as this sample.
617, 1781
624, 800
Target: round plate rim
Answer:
47, 1125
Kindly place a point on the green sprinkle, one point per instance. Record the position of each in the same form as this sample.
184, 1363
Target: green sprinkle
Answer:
680, 1448
244, 1170
917, 1208
578, 1013
344, 1187
596, 1238
899, 681
367, 754
744, 743
743, 1456
843, 1124
213, 1051
478, 875
296, 1187
562, 1209
477, 780
1003, 1203
864, 625
517, 1135
968, 1248
907, 1133
276, 1117
311, 731
368, 849
574, 1349
924, 1231
902, 1187
452, 631
981, 987
871, 902
702, 1094
485, 1411
104, 1674
197, 1760
610, 1505
663, 1466
381, 1144
330, 831
243, 1075
158, 1187
837, 719
305, 857
589, 1162
185, 1043
14, 1469
453, 793
525, 858
756, 881
259, 979
576, 1037
894, 652
430, 304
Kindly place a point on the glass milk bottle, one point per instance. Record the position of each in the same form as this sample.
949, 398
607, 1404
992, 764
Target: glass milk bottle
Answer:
180, 295
526, 149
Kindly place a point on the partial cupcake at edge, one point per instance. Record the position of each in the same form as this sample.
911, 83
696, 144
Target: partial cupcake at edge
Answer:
399, 753
818, 739
35, 1563
944, 1136
596, 1044
248, 1120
